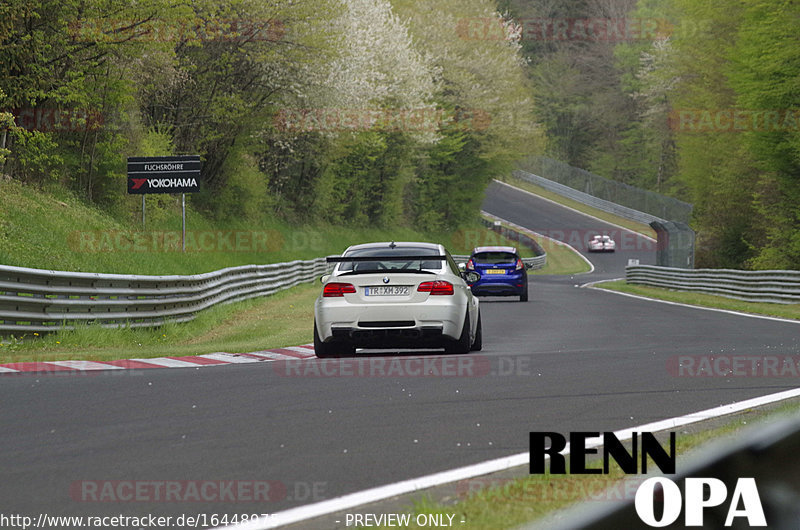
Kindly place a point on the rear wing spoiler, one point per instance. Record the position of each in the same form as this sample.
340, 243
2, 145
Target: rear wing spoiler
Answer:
343, 259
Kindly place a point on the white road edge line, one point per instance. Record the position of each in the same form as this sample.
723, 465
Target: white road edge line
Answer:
555, 241
591, 285
352, 500
577, 211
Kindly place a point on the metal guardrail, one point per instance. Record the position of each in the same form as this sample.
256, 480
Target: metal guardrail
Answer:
585, 198
35, 300
782, 287
614, 191
676, 239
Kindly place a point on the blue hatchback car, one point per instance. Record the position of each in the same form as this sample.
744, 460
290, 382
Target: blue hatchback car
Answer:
502, 272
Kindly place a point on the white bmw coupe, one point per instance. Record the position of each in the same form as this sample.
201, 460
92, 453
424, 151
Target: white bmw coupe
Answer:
396, 295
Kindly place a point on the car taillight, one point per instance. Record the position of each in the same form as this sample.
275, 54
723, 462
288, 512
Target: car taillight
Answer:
437, 287
337, 289
520, 265
470, 265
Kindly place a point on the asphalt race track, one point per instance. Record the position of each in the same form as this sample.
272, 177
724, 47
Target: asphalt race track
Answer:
570, 359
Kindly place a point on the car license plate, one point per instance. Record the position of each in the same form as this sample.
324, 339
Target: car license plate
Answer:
386, 290
495, 271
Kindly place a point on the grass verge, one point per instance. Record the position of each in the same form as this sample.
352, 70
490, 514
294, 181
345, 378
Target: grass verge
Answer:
555, 197
500, 503
283, 319
704, 300
52, 229
561, 259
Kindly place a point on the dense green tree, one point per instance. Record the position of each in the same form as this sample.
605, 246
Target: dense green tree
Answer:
652, 111
726, 60
765, 73
483, 90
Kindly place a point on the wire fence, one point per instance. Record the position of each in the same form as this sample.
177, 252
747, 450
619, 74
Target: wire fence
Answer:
656, 205
666, 215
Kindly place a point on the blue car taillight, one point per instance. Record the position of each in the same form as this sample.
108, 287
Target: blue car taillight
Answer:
520, 265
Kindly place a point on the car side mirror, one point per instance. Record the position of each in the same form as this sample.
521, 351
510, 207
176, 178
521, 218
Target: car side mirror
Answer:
471, 277
324, 278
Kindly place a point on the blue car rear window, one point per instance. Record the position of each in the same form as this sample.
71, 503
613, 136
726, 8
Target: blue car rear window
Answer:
494, 258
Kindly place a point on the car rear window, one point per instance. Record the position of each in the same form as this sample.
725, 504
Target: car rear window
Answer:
494, 258
379, 265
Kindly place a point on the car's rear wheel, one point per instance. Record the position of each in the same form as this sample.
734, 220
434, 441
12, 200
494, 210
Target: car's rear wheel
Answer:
325, 350
461, 345
477, 344
524, 296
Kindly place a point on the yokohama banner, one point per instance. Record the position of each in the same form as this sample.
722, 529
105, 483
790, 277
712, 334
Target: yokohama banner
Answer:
164, 174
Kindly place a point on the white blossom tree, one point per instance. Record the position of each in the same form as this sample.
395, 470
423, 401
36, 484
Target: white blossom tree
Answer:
476, 58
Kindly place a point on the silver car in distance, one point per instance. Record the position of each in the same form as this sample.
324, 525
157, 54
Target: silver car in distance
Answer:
602, 243
396, 295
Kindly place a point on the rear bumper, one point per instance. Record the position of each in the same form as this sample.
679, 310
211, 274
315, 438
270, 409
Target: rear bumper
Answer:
500, 287
498, 290
391, 326
389, 337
